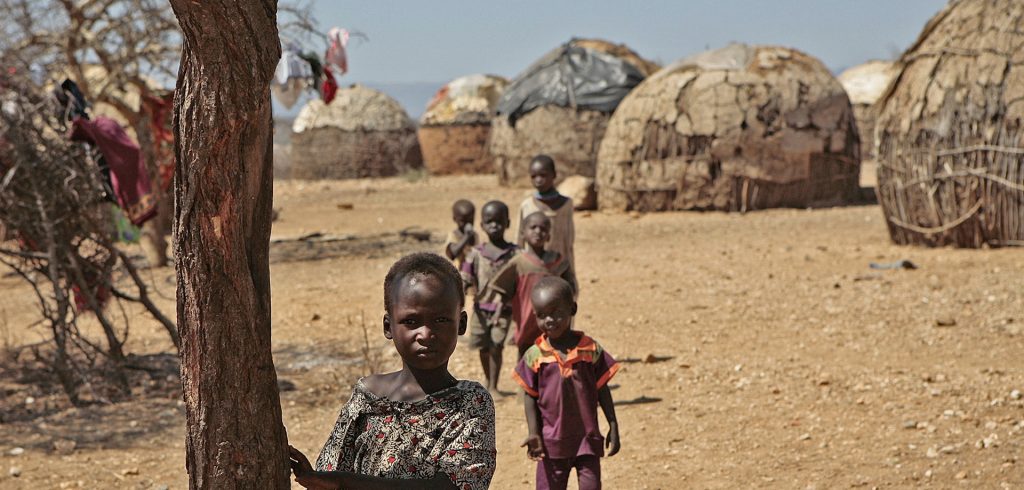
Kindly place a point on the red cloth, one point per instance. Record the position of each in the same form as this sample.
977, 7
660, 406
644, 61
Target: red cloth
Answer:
329, 87
127, 168
160, 110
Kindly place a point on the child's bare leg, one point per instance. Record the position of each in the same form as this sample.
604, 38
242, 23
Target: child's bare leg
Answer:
494, 359
485, 362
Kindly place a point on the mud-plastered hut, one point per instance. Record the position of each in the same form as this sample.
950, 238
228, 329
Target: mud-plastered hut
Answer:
737, 128
950, 140
864, 84
560, 106
453, 131
361, 133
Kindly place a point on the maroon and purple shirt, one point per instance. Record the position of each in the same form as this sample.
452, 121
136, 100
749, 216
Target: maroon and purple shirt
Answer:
566, 392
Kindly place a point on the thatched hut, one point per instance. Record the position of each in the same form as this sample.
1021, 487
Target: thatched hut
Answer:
951, 146
864, 84
361, 133
737, 128
560, 106
453, 132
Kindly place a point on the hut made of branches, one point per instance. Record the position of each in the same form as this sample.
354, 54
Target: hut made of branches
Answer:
361, 133
864, 84
453, 132
737, 128
951, 147
560, 106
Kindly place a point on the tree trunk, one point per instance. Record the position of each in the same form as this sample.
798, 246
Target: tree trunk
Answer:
223, 196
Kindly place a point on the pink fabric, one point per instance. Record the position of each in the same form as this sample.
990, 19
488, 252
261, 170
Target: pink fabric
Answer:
127, 168
336, 55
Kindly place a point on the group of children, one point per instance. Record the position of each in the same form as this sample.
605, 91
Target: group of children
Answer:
422, 428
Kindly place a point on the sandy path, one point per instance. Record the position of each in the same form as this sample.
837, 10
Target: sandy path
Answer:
782, 359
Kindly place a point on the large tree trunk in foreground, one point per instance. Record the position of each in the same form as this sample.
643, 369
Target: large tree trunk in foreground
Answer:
223, 192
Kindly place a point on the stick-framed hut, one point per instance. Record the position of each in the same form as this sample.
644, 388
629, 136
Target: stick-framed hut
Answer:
361, 133
560, 106
453, 131
950, 139
737, 128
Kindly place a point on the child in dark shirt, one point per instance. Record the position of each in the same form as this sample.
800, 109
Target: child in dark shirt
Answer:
565, 375
489, 327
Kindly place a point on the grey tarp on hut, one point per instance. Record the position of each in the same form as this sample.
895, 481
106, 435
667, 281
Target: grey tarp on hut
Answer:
951, 130
560, 106
571, 76
737, 128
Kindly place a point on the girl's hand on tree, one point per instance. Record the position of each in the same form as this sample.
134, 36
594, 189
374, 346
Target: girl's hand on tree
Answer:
611, 443
304, 474
534, 447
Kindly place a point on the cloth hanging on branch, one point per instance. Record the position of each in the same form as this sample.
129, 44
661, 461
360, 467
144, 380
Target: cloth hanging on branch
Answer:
336, 55
293, 74
128, 174
329, 87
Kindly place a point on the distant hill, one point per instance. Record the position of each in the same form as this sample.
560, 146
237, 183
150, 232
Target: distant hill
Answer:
413, 96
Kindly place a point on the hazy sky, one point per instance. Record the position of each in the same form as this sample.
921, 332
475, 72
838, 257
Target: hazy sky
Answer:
434, 41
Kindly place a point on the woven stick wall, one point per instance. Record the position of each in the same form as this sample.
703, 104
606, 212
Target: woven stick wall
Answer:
951, 159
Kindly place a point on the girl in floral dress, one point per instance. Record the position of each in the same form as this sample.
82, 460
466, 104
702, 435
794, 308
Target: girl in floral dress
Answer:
418, 427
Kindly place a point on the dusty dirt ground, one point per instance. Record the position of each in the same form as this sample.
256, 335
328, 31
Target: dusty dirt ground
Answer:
760, 349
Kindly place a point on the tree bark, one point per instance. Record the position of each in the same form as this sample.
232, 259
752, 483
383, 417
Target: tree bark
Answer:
223, 196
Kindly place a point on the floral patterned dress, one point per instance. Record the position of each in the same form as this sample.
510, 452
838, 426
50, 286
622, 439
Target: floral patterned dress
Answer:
451, 431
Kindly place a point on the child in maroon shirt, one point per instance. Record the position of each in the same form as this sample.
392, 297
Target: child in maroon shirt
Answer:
565, 375
514, 281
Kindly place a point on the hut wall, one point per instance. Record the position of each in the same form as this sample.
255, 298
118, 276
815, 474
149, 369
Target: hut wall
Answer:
333, 153
451, 149
569, 136
951, 155
733, 141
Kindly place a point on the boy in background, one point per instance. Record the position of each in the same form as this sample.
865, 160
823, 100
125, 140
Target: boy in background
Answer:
554, 205
513, 283
462, 237
489, 321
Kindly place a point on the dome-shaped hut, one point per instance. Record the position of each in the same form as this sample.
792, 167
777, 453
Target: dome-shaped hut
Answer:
737, 128
864, 84
560, 106
361, 133
950, 139
453, 132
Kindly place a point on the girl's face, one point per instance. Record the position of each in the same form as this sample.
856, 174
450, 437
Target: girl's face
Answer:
425, 321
